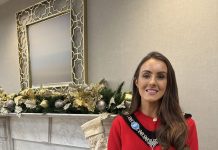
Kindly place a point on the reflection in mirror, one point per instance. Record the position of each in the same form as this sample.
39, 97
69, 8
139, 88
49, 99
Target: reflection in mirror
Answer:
50, 51
51, 43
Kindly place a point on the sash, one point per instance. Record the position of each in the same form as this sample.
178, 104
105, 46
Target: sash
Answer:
148, 137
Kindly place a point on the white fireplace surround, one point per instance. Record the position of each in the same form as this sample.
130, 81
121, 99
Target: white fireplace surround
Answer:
46, 131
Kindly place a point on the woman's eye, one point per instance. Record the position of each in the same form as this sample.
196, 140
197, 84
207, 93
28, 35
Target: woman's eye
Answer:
146, 76
161, 76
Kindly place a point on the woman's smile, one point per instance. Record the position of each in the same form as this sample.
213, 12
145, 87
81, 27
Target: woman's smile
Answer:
152, 80
151, 91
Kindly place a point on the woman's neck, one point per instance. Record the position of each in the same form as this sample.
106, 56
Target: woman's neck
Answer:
150, 109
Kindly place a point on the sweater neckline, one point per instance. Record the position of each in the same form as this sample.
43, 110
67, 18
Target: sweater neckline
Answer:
141, 114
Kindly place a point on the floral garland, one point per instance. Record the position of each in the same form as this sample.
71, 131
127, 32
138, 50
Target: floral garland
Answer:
93, 98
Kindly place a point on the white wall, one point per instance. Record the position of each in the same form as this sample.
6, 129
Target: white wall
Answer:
9, 63
121, 32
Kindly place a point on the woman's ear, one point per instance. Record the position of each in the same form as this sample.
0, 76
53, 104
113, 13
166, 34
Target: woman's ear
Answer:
136, 82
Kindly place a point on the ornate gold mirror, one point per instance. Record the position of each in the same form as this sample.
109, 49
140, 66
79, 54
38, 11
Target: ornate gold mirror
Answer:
52, 43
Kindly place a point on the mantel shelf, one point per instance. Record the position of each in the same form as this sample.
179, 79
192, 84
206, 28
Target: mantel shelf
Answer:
88, 116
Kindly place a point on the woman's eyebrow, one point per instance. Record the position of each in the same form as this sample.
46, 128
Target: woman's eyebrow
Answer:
146, 71
160, 72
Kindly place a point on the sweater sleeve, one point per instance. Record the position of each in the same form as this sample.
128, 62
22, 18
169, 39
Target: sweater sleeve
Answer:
114, 139
192, 135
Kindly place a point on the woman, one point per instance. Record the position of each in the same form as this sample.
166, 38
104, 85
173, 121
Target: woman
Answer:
155, 121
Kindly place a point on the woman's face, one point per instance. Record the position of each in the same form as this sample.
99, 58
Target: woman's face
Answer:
152, 80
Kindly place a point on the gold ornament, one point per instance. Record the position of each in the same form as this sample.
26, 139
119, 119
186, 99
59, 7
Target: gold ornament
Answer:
44, 103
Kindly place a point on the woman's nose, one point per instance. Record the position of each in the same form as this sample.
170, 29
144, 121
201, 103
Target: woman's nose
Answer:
152, 81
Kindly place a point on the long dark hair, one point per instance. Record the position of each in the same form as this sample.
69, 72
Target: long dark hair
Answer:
173, 128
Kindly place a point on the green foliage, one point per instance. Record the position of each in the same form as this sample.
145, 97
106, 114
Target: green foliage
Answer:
118, 95
76, 100
107, 94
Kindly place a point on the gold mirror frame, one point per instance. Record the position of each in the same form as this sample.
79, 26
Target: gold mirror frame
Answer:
46, 10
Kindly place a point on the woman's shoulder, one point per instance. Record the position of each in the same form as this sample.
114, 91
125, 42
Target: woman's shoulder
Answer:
118, 118
190, 121
117, 124
192, 140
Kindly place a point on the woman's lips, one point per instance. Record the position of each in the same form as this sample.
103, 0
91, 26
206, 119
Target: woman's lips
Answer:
152, 91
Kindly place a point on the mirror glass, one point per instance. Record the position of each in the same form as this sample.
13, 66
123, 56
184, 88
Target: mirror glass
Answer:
50, 63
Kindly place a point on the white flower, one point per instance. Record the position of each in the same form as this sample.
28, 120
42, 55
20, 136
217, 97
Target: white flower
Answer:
18, 110
121, 105
30, 103
112, 101
4, 111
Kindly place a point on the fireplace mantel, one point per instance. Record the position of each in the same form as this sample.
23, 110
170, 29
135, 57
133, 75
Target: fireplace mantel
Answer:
46, 131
